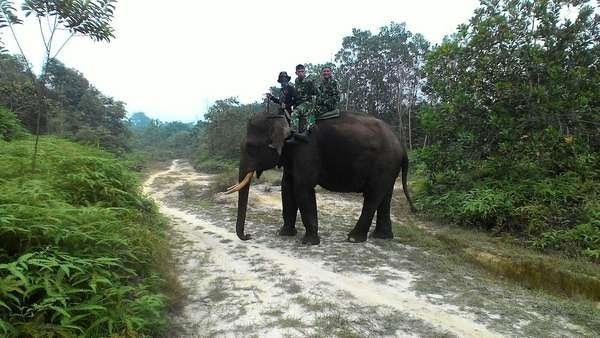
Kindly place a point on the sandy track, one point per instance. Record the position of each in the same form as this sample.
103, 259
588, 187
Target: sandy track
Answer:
272, 286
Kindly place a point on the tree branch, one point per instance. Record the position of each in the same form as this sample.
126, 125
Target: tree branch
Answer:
63, 45
52, 31
14, 34
42, 34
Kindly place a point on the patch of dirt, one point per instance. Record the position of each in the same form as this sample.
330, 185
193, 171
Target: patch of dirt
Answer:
274, 286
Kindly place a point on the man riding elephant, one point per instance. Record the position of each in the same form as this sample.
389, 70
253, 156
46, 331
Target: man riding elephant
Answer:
313, 102
304, 108
287, 95
328, 95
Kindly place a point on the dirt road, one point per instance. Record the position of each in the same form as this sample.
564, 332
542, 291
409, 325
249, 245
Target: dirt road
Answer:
274, 286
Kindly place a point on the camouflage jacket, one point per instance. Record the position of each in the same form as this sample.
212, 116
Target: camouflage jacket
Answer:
328, 96
305, 88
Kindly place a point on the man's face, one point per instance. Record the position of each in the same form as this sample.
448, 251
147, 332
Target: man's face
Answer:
301, 73
326, 73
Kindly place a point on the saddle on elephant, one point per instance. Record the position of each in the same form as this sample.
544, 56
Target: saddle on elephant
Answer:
328, 115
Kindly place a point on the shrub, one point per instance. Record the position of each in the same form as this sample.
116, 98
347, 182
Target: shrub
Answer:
545, 189
81, 247
209, 164
10, 127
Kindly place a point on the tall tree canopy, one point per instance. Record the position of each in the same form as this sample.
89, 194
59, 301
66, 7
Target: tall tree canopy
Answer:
226, 126
382, 73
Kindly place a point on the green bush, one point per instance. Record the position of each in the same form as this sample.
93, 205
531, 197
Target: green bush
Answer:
81, 247
214, 165
93, 180
10, 127
545, 190
513, 132
582, 239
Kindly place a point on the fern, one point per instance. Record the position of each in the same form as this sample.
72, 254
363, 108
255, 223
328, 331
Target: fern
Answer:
81, 246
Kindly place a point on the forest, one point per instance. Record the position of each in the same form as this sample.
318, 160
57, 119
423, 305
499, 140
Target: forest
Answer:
501, 119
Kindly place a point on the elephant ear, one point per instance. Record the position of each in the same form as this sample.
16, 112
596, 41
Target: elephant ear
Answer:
279, 132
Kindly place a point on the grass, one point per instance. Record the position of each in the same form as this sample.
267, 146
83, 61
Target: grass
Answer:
503, 256
562, 286
84, 253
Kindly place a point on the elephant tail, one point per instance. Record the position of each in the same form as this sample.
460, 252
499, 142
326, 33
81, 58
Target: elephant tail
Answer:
404, 166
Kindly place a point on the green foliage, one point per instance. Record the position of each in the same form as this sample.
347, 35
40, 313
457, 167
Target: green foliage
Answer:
139, 121
583, 238
163, 140
90, 18
81, 246
513, 123
210, 164
10, 128
17, 90
76, 109
220, 136
82, 113
382, 74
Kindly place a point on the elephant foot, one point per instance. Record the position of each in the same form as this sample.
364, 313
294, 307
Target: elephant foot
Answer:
382, 234
287, 231
311, 239
356, 237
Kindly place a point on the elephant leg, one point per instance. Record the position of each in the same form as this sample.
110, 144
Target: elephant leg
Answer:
290, 207
383, 225
370, 204
308, 211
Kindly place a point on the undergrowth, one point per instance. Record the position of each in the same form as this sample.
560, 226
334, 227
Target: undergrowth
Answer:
82, 249
10, 127
545, 190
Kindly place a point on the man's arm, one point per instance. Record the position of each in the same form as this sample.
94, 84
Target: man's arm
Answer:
273, 98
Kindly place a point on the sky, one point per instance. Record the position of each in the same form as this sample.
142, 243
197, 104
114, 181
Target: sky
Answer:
172, 59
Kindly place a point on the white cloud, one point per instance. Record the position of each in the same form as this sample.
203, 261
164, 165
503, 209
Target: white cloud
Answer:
171, 62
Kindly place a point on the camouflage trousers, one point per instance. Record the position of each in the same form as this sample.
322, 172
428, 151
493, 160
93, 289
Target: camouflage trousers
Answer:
303, 117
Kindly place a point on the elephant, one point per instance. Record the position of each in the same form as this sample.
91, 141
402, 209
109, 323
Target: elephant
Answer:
352, 153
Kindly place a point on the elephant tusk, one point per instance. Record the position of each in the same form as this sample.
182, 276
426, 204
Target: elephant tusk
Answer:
242, 184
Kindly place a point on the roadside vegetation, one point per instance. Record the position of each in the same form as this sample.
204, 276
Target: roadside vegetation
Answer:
83, 252
514, 122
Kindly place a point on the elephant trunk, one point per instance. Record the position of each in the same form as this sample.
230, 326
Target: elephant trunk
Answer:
242, 204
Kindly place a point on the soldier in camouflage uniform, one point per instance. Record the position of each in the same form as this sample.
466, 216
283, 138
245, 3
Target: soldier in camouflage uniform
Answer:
303, 116
328, 95
324, 107
287, 95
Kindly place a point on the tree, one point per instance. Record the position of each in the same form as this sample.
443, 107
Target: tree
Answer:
225, 126
162, 140
89, 18
514, 122
518, 67
381, 74
18, 90
139, 121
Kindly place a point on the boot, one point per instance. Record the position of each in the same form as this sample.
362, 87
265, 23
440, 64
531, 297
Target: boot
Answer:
296, 138
303, 136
